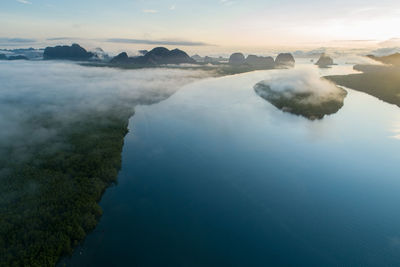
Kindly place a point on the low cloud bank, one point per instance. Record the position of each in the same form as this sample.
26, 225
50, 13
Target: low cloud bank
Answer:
6, 41
301, 81
301, 92
64, 92
385, 51
356, 59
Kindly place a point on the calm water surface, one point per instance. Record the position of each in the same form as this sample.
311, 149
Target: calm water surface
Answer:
216, 176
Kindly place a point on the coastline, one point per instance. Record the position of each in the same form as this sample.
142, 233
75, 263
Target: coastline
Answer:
68, 184
379, 81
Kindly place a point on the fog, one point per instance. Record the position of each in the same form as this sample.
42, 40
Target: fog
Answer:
355, 59
300, 81
64, 92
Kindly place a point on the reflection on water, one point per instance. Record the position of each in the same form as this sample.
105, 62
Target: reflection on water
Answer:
216, 176
395, 129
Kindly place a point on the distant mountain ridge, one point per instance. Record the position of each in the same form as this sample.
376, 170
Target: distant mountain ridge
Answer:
13, 57
157, 56
73, 52
161, 56
283, 60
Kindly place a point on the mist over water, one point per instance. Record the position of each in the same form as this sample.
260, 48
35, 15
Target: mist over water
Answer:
214, 175
224, 133
63, 92
304, 80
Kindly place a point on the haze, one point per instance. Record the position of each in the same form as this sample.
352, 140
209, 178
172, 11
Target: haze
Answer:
200, 25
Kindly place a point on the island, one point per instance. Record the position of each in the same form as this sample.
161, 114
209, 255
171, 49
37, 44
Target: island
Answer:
261, 62
73, 52
237, 59
324, 61
157, 56
285, 60
311, 104
161, 57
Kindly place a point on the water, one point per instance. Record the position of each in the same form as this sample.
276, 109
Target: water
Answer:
216, 176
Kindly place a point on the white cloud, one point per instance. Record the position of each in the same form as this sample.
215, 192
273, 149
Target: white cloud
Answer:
152, 11
64, 91
24, 2
173, 7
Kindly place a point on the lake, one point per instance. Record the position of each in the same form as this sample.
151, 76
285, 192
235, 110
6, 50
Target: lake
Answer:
217, 176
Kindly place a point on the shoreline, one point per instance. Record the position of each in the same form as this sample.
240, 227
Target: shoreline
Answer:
67, 194
381, 82
70, 182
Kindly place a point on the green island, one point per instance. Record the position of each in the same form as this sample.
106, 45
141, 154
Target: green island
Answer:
307, 104
381, 81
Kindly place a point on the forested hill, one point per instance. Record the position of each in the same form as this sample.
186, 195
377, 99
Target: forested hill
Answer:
50, 203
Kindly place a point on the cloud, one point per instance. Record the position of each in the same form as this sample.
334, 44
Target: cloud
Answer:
305, 80
385, 51
173, 7
16, 40
63, 38
24, 2
64, 91
5, 41
156, 42
151, 11
390, 43
13, 42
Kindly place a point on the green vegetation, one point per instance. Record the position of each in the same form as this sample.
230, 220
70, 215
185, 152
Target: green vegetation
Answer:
306, 104
48, 202
50, 190
380, 81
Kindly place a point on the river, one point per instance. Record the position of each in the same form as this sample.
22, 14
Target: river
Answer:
217, 176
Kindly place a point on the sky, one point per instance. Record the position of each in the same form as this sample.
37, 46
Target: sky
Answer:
206, 23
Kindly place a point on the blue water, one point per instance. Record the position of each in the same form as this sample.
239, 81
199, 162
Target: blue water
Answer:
216, 176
